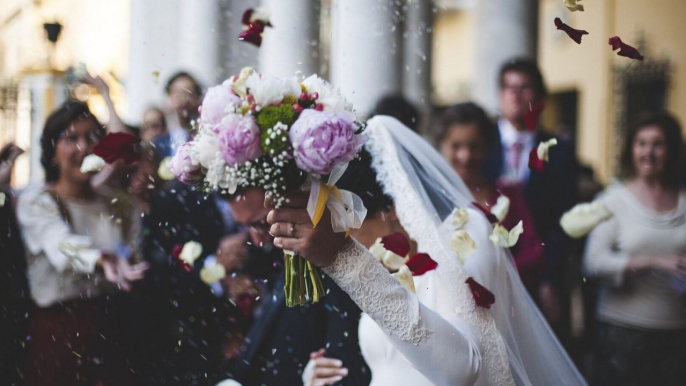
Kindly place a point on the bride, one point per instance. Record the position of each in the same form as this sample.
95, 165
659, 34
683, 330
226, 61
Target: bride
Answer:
438, 336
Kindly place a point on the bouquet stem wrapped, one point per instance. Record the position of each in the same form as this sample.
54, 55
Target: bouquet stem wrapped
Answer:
303, 280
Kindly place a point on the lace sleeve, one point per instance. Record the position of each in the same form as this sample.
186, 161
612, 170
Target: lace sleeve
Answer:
442, 351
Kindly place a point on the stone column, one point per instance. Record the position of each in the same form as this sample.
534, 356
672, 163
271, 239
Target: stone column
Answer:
416, 72
199, 32
366, 51
505, 29
292, 44
153, 55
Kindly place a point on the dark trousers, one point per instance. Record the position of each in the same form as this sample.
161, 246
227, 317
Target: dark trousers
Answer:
633, 357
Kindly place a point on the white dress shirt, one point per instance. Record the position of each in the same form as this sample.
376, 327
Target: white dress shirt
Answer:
509, 135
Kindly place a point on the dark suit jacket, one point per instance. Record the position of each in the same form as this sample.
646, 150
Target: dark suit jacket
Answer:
548, 196
280, 342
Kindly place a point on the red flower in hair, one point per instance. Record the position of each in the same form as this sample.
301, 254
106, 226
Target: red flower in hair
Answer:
624, 49
482, 296
574, 34
176, 252
118, 146
420, 264
397, 243
531, 116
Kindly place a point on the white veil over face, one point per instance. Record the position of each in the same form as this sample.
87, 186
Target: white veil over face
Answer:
518, 345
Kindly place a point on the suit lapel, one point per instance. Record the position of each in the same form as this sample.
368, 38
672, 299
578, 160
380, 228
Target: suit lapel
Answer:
264, 323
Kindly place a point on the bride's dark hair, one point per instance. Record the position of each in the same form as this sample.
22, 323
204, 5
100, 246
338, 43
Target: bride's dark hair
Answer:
360, 178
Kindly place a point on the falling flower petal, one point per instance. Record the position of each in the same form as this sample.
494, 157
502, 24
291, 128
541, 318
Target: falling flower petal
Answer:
176, 252
397, 243
489, 216
574, 34
156, 76
573, 6
624, 49
255, 20
501, 207
404, 276
238, 85
531, 117
482, 296
389, 259
212, 274
163, 171
544, 147
502, 238
2, 199
582, 218
460, 218
118, 146
463, 245
539, 155
190, 252
421, 263
92, 163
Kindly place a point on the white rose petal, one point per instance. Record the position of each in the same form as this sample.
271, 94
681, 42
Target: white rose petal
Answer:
404, 276
460, 218
92, 163
2, 199
329, 97
212, 274
581, 219
463, 245
238, 86
502, 238
205, 148
163, 171
377, 250
190, 252
501, 207
543, 147
269, 90
389, 259
260, 13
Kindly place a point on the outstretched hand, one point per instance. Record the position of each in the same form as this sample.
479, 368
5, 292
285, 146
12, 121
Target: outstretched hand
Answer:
119, 271
292, 230
321, 370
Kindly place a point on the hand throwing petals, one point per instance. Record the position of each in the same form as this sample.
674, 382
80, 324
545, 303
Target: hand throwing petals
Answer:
574, 34
624, 49
581, 219
482, 296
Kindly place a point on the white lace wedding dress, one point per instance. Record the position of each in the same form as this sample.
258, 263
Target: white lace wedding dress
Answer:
440, 336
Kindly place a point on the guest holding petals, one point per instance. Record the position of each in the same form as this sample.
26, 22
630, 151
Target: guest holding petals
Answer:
465, 135
639, 254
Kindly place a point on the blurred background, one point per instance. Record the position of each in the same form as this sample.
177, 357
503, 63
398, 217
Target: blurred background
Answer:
434, 53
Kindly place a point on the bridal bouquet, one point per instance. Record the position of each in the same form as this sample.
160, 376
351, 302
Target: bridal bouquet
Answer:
278, 134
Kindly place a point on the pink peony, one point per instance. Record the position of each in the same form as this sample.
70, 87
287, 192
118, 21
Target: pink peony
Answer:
323, 139
239, 139
217, 99
183, 167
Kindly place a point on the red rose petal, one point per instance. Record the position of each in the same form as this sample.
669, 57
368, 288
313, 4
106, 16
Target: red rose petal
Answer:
482, 296
531, 116
421, 263
245, 19
624, 49
118, 146
574, 34
536, 164
489, 216
176, 252
397, 243
251, 36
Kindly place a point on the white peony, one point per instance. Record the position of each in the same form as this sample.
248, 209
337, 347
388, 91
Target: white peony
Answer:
463, 245
581, 219
269, 90
389, 259
502, 238
501, 207
404, 276
92, 163
460, 218
328, 96
212, 273
190, 252
205, 148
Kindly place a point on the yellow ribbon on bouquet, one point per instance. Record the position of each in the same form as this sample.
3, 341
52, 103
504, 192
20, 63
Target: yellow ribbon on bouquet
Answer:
347, 209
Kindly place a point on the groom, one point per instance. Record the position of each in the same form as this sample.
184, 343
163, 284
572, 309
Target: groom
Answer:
281, 340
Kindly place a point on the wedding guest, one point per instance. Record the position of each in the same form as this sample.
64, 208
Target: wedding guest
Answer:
400, 108
184, 95
549, 194
154, 124
465, 136
639, 255
75, 239
280, 342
